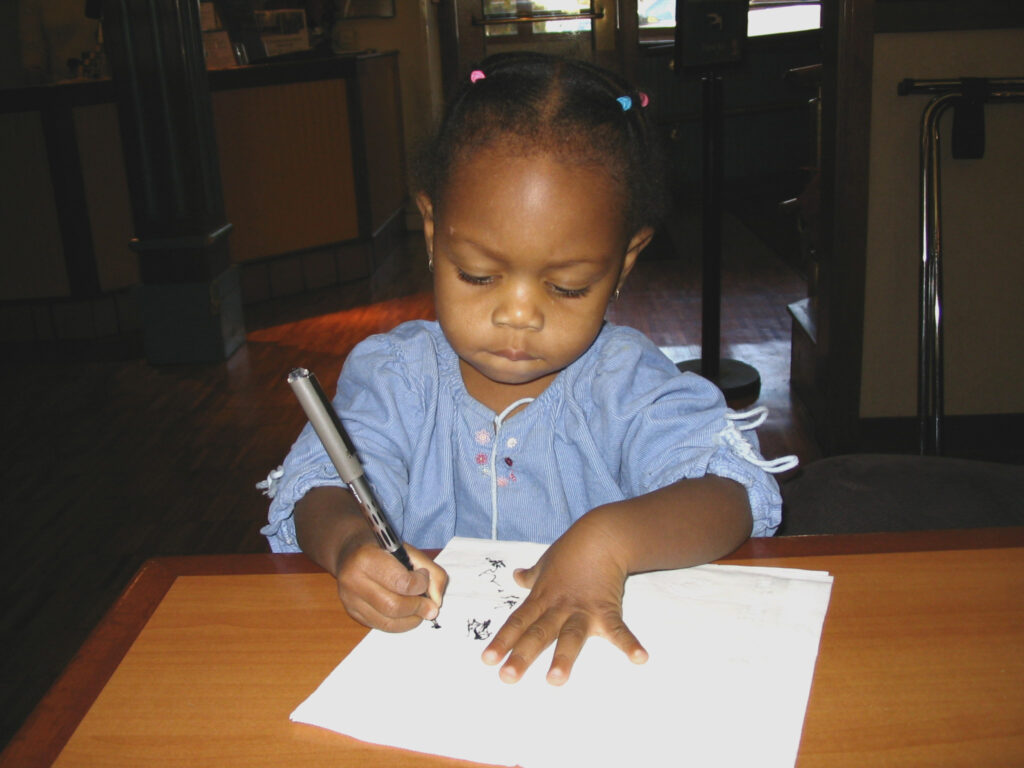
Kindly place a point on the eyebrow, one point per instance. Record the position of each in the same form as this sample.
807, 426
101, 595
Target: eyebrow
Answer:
496, 256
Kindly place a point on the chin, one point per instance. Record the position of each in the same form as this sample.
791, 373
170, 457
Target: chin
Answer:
511, 378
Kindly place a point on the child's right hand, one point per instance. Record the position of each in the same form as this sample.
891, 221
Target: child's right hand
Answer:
379, 592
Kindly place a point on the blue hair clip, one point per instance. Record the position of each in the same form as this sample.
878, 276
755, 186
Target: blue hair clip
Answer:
626, 102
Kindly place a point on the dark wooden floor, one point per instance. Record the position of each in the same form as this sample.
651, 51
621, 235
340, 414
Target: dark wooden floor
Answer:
105, 464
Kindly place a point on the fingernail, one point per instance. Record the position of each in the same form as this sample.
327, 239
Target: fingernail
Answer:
556, 677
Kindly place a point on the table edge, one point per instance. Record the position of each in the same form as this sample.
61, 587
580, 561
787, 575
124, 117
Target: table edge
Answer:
879, 543
47, 730
43, 735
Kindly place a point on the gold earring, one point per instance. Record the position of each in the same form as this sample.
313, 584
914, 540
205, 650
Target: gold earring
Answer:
430, 263
615, 296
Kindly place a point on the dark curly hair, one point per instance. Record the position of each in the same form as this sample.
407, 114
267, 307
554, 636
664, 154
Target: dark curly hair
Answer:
529, 102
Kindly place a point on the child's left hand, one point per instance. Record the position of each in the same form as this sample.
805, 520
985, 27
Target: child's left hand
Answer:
576, 591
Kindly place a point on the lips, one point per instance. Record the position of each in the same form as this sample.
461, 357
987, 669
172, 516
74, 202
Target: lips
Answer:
515, 355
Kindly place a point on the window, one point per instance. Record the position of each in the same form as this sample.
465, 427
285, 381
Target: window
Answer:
504, 18
657, 18
656, 14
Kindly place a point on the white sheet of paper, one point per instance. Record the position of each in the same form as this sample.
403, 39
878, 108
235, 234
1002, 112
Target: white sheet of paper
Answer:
732, 652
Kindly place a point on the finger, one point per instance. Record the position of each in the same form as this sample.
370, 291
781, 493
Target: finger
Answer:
405, 582
437, 575
510, 633
407, 595
526, 577
571, 637
368, 615
369, 564
438, 584
427, 608
531, 643
384, 606
378, 591
623, 638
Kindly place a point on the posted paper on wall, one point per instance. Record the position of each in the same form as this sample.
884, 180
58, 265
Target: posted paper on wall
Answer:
732, 652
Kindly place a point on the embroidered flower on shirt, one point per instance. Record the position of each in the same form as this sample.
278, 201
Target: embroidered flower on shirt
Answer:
483, 460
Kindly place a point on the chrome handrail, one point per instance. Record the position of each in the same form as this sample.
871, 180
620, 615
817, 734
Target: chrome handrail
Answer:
930, 374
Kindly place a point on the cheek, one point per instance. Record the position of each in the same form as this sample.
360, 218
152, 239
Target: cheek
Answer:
459, 311
576, 329
446, 293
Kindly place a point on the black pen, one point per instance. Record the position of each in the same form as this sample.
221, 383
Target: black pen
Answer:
342, 453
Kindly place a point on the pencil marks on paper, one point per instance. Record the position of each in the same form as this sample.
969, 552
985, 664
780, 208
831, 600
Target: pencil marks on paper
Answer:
478, 630
504, 599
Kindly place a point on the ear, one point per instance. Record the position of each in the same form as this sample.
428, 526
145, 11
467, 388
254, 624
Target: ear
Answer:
427, 212
637, 243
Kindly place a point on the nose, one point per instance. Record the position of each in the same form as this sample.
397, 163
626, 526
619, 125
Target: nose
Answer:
519, 307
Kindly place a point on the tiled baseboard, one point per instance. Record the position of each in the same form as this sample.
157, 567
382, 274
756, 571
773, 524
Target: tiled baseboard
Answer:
295, 273
109, 326
66, 321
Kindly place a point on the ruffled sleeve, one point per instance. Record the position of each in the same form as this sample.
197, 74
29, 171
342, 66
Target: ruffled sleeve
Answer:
377, 400
670, 426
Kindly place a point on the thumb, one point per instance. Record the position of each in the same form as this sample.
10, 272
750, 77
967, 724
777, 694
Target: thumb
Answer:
411, 582
525, 577
436, 575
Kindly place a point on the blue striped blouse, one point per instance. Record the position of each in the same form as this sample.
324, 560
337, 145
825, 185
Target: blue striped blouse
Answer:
617, 423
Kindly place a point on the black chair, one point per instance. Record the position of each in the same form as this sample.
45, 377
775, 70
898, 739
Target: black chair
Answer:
862, 493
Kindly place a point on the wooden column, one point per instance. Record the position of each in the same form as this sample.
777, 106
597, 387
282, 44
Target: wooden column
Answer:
190, 300
847, 49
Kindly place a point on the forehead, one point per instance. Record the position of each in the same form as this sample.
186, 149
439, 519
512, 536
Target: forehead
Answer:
521, 187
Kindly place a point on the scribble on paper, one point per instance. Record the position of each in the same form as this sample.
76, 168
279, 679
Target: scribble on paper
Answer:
505, 597
700, 608
480, 629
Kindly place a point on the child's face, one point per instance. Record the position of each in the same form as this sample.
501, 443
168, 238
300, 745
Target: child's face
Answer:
527, 252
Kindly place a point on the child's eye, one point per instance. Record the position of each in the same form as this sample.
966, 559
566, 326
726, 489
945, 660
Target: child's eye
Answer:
473, 279
571, 293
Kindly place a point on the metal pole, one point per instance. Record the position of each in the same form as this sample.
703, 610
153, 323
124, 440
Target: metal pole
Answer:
930, 364
737, 380
930, 404
711, 228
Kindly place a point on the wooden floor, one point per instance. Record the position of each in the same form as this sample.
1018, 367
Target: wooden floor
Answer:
105, 464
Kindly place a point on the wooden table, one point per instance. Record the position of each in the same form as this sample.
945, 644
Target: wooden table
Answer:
202, 659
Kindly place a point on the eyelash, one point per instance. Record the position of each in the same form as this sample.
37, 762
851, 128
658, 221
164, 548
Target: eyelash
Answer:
572, 293
472, 279
565, 293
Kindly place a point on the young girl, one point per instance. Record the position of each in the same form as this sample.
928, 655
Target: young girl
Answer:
521, 414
